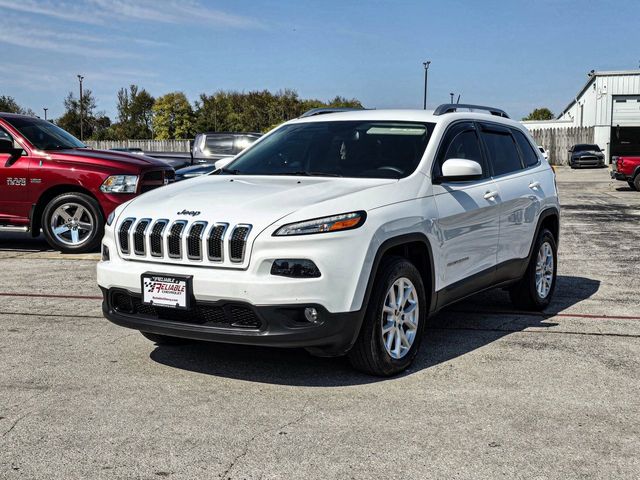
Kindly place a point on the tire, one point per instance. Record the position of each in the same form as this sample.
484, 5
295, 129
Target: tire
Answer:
164, 339
369, 354
525, 294
69, 232
632, 183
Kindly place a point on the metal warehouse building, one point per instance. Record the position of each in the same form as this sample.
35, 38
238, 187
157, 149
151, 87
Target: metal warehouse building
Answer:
610, 103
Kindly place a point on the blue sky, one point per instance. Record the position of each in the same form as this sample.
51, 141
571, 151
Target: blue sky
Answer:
515, 54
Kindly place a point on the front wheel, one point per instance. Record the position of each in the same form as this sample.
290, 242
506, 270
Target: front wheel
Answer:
536, 287
394, 321
73, 223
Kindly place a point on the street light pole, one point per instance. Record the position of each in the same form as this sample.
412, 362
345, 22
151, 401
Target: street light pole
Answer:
451, 95
426, 78
80, 78
45, 112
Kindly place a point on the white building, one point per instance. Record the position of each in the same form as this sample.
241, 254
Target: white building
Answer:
609, 102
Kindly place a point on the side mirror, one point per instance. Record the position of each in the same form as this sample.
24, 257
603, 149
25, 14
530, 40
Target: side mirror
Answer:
460, 169
6, 147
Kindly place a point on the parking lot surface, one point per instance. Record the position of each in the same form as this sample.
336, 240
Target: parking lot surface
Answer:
494, 393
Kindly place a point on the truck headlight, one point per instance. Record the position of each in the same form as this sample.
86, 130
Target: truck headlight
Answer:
120, 184
335, 223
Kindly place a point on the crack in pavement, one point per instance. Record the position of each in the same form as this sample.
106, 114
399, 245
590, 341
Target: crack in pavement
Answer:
245, 449
15, 423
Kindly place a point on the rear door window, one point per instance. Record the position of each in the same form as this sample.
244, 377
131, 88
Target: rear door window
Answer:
501, 150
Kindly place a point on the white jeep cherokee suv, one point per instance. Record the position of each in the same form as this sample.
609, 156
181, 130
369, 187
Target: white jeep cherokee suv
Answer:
341, 233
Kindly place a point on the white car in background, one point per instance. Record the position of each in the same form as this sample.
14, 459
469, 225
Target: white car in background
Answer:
544, 152
340, 233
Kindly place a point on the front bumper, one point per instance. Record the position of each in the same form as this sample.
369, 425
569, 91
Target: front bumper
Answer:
587, 161
238, 322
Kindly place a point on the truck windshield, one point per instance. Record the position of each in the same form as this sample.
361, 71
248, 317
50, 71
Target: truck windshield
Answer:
366, 149
44, 135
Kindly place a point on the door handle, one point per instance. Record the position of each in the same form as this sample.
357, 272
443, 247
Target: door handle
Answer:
490, 195
534, 185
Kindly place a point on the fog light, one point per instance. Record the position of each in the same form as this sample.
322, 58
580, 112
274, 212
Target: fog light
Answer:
105, 253
295, 268
311, 314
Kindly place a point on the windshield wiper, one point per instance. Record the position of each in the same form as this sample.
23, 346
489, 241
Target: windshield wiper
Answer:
230, 171
304, 173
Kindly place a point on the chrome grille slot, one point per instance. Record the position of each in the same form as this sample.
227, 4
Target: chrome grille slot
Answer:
194, 240
174, 239
139, 239
123, 234
155, 237
215, 242
238, 242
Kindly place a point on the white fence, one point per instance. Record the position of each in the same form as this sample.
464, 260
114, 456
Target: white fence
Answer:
145, 145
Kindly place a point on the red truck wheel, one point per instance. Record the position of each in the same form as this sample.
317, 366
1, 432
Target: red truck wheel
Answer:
73, 223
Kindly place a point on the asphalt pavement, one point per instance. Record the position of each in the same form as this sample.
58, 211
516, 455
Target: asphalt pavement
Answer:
494, 393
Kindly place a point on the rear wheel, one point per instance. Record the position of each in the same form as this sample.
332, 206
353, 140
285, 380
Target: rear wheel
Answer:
164, 339
394, 322
636, 182
536, 287
73, 223
632, 183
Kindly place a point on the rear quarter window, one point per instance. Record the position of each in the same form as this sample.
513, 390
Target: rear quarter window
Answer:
529, 155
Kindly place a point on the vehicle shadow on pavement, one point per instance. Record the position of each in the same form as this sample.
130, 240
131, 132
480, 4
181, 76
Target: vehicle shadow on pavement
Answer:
23, 242
455, 331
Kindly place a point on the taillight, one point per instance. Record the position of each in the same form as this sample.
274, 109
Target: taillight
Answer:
619, 162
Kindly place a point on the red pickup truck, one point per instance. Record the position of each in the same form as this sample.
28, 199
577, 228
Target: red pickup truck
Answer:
627, 168
52, 182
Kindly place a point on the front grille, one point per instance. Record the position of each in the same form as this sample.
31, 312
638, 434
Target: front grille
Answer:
123, 234
215, 243
194, 241
174, 239
139, 236
160, 239
155, 179
156, 237
238, 242
202, 313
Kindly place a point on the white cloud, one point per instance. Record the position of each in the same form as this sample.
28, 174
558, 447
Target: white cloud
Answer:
94, 12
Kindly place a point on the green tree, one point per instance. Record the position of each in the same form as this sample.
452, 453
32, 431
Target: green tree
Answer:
92, 121
8, 104
172, 116
135, 114
540, 114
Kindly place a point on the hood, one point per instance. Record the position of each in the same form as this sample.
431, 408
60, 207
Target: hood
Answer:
106, 158
257, 200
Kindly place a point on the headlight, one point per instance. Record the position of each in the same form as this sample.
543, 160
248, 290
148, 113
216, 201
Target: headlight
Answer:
335, 223
110, 218
120, 184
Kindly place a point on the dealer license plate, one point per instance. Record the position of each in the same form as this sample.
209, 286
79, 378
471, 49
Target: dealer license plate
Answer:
173, 291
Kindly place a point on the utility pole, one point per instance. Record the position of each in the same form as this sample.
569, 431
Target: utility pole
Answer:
426, 78
45, 112
80, 78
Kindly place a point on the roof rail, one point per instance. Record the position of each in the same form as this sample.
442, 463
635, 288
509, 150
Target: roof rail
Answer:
323, 110
454, 107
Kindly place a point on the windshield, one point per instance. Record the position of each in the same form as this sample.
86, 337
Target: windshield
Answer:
366, 149
586, 148
44, 135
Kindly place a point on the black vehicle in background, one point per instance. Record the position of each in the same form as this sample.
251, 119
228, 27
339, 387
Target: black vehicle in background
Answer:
586, 155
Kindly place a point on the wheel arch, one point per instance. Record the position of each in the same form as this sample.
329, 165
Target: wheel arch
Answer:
416, 248
37, 209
